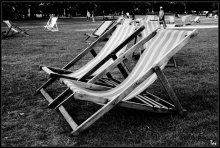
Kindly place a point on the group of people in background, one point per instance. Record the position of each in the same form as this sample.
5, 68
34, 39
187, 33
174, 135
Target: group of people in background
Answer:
90, 16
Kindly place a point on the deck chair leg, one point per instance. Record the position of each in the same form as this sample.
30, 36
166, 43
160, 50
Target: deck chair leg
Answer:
26, 33
104, 109
173, 64
170, 91
62, 110
7, 33
59, 99
46, 84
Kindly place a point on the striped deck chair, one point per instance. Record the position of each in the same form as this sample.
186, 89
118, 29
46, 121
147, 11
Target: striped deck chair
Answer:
52, 24
13, 30
196, 20
100, 30
115, 46
186, 20
150, 26
131, 93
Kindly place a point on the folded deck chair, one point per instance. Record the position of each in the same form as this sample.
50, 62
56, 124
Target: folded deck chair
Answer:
100, 30
116, 45
131, 93
52, 24
196, 20
13, 30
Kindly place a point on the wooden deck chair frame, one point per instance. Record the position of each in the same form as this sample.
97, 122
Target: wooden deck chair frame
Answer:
49, 26
94, 35
196, 20
55, 77
108, 105
13, 30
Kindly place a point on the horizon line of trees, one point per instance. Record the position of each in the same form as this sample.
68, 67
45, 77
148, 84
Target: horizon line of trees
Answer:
30, 10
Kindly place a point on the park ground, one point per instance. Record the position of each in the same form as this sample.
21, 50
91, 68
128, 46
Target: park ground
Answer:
26, 120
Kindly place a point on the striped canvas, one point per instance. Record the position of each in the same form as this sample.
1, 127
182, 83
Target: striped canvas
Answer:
9, 25
102, 28
150, 26
119, 35
161, 45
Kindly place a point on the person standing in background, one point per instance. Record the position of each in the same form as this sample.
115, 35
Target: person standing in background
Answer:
161, 16
93, 16
88, 15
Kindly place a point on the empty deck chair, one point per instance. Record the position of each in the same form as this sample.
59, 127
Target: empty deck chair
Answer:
131, 93
13, 30
116, 45
186, 20
52, 24
100, 30
196, 20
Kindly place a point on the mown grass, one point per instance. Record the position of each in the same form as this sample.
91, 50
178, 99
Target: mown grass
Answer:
26, 120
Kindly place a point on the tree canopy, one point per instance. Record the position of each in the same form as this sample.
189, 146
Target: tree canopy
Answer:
20, 10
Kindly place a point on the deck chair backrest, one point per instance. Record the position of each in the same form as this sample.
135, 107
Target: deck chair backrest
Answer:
172, 19
150, 26
163, 46
196, 19
53, 21
103, 28
186, 19
118, 36
7, 22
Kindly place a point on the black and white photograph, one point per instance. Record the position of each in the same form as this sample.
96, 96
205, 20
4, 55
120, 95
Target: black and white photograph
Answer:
109, 73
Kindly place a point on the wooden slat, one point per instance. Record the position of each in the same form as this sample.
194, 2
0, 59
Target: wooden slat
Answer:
169, 90
58, 76
57, 70
90, 98
59, 98
143, 107
62, 110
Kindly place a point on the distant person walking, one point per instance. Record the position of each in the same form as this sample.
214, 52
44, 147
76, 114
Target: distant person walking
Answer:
88, 15
161, 16
93, 16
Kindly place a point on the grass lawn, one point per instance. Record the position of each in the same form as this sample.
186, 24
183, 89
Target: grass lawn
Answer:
26, 120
